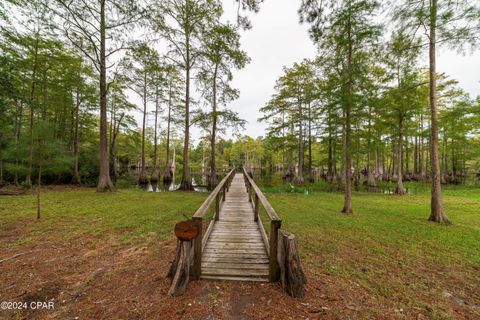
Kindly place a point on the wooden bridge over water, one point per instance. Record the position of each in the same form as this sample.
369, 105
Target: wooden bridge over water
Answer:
234, 244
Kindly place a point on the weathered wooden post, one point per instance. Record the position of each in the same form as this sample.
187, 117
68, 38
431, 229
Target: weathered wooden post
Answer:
256, 208
292, 276
273, 268
228, 182
179, 273
217, 207
197, 249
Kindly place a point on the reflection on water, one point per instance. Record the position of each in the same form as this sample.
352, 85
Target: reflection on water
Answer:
160, 187
199, 183
383, 189
275, 183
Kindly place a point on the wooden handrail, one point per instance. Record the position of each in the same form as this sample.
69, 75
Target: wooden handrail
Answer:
216, 196
208, 202
275, 222
268, 207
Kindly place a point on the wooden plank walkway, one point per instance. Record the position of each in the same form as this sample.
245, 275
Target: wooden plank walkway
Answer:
235, 249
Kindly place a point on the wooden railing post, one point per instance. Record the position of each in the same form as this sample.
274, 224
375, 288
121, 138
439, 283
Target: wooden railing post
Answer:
228, 184
256, 208
217, 207
197, 249
273, 268
224, 192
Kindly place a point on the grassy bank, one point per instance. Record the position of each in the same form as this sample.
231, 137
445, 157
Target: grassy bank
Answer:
388, 251
383, 262
70, 212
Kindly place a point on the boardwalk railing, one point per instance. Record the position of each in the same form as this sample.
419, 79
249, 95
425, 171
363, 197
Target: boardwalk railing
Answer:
258, 198
216, 196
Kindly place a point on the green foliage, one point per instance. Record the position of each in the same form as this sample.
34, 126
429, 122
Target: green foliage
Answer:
457, 22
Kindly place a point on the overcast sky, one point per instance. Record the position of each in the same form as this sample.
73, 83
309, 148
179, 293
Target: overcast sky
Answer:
277, 39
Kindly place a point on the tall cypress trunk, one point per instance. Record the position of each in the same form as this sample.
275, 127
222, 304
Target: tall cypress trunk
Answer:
399, 189
76, 174
384, 167
167, 175
111, 155
415, 156
18, 129
283, 142
334, 153
104, 181
290, 173
330, 158
28, 179
113, 147
330, 169
392, 170
212, 181
370, 178
407, 155
71, 138
299, 176
446, 154
186, 183
356, 171
422, 150
154, 177
437, 212
454, 165
310, 160
142, 178
347, 205
444, 165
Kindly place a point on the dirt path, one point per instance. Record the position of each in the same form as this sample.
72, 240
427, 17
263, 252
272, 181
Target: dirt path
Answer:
88, 279
92, 278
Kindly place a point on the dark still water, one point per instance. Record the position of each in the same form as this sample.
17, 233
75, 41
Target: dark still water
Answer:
273, 183
199, 182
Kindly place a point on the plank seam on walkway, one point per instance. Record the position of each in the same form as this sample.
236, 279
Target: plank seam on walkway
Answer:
235, 249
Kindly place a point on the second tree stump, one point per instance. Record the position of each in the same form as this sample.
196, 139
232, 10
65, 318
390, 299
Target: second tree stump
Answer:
292, 277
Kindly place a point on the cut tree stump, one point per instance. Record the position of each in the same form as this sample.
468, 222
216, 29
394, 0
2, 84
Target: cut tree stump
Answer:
186, 230
292, 277
179, 272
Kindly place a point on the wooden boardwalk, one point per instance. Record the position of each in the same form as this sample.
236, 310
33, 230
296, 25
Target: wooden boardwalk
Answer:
235, 249
235, 245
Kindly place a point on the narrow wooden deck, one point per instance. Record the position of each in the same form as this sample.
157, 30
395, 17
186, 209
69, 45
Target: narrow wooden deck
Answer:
235, 249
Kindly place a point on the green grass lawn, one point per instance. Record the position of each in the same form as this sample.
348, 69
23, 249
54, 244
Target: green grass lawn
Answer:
70, 212
387, 222
384, 256
388, 248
